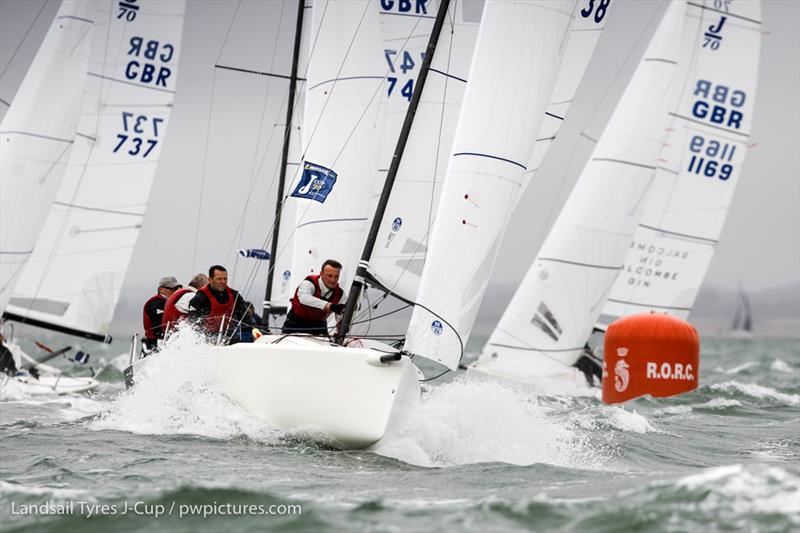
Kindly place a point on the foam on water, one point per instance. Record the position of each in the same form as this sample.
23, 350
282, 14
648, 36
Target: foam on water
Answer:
747, 489
176, 393
756, 391
713, 404
7, 490
779, 365
470, 421
11, 389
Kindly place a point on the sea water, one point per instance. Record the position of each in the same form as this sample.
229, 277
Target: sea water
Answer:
175, 454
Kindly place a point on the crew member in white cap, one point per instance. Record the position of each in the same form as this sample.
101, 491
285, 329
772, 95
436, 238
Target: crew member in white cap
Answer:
153, 311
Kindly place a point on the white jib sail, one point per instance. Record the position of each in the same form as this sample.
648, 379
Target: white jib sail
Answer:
702, 160
517, 56
36, 136
399, 252
551, 315
75, 274
342, 130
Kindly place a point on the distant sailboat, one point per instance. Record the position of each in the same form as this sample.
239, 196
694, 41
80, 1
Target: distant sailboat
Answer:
742, 327
70, 273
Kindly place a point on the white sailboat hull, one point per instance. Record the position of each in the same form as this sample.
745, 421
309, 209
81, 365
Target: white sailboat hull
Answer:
309, 384
49, 384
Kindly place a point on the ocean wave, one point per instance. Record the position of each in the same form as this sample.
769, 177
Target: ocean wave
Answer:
779, 365
10, 490
756, 391
715, 404
474, 421
176, 393
739, 489
734, 497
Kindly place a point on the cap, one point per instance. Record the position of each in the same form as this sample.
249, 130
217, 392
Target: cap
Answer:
169, 282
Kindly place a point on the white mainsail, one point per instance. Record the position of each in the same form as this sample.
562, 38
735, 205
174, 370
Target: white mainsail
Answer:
542, 332
519, 49
686, 210
283, 283
36, 135
74, 276
399, 253
342, 130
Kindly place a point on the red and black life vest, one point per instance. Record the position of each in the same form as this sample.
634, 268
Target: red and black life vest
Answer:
218, 310
171, 314
152, 331
312, 313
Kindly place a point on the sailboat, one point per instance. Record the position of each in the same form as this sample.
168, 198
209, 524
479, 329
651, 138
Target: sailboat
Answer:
542, 333
578, 280
686, 210
71, 280
353, 390
742, 326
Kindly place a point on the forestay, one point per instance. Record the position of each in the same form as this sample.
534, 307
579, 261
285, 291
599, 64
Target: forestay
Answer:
519, 49
702, 161
542, 332
399, 253
76, 272
281, 264
36, 136
342, 130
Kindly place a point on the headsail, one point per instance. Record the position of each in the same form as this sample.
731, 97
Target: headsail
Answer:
704, 154
543, 330
517, 57
400, 250
74, 276
36, 136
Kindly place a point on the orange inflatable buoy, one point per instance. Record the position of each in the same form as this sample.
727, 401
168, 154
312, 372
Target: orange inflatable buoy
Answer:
649, 354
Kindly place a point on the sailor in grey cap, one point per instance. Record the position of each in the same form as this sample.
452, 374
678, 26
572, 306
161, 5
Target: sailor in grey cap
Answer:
153, 311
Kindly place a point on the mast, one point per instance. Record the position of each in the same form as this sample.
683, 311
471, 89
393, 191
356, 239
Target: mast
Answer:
273, 250
361, 271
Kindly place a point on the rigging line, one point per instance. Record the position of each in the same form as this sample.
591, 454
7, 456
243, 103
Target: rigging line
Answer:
255, 165
208, 135
24, 38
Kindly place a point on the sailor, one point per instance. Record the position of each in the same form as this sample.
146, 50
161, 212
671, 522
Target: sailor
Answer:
177, 306
153, 311
314, 300
591, 366
215, 302
7, 363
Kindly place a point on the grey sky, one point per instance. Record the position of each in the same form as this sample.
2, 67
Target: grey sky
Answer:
760, 244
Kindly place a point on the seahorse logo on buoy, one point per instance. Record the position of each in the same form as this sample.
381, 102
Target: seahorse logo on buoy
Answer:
621, 374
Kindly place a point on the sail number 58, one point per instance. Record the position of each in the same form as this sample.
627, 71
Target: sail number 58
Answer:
599, 13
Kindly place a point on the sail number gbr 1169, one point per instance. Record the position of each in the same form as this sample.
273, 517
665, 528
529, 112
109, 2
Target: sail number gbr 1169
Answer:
711, 158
